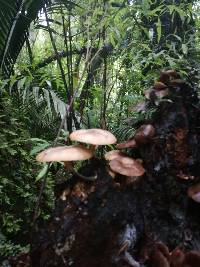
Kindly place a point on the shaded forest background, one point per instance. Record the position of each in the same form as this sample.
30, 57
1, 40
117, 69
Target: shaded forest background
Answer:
78, 64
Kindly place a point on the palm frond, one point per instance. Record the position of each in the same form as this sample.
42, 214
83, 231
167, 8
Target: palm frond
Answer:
15, 19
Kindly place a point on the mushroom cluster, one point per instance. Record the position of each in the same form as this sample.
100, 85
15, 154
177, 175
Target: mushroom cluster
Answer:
160, 256
78, 152
125, 165
122, 163
119, 162
161, 88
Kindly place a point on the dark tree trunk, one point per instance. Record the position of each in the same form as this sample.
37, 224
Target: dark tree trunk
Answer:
175, 30
116, 222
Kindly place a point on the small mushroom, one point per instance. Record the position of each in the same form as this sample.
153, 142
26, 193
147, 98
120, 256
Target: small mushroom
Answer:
110, 155
194, 192
162, 93
164, 77
127, 144
168, 75
67, 154
159, 86
173, 74
144, 134
127, 166
177, 82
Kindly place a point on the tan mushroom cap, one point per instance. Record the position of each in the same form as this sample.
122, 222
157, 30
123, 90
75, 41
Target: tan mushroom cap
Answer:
194, 192
127, 166
110, 155
93, 137
127, 144
65, 153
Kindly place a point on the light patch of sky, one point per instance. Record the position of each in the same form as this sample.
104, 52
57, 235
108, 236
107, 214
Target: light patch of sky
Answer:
42, 19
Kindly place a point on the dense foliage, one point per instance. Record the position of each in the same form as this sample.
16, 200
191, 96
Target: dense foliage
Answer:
97, 57
18, 189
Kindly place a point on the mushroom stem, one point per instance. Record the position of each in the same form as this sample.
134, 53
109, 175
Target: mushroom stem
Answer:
90, 178
69, 167
93, 147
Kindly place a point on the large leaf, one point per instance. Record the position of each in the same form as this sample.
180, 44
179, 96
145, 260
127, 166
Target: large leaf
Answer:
15, 19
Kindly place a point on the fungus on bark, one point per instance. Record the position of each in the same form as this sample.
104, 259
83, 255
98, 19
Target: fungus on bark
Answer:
159, 86
127, 166
127, 144
168, 75
144, 134
110, 155
177, 82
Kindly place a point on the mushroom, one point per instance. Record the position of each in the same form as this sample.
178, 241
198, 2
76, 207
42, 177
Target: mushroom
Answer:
144, 134
67, 154
159, 86
194, 192
153, 94
127, 144
168, 75
173, 74
177, 82
126, 166
110, 155
94, 137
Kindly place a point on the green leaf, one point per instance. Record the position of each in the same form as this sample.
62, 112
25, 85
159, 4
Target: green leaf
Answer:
38, 140
39, 148
159, 30
42, 173
184, 49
